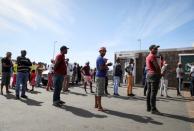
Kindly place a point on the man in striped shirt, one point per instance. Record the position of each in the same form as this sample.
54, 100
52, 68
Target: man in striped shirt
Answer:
24, 65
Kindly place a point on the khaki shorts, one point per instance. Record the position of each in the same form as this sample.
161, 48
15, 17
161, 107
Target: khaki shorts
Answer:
100, 86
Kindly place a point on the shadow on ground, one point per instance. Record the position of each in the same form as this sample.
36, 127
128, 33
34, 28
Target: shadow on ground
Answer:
137, 118
183, 118
31, 102
134, 98
34, 92
10, 96
76, 93
178, 99
81, 112
28, 101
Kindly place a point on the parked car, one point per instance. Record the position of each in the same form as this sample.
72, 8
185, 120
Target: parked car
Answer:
45, 75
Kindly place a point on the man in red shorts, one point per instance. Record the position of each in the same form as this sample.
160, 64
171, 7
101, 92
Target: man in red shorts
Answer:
87, 76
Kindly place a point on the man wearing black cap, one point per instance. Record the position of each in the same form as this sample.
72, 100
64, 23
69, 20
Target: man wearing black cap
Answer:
60, 70
153, 78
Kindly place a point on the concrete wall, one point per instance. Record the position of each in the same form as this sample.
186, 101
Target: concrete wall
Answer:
170, 55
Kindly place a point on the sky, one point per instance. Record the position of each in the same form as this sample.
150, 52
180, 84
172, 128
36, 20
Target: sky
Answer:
42, 26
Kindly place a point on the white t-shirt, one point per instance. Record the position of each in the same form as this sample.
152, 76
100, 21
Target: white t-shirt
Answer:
192, 71
69, 69
178, 72
51, 68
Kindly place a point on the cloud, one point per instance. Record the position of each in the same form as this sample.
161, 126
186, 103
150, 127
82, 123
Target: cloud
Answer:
166, 17
36, 14
152, 19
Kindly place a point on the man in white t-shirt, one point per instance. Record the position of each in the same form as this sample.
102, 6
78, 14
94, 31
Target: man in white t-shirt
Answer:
67, 77
50, 76
179, 76
164, 79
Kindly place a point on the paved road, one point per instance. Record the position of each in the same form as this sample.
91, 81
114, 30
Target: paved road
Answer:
123, 113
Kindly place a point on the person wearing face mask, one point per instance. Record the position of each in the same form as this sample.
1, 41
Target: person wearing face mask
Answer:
6, 72
24, 65
153, 78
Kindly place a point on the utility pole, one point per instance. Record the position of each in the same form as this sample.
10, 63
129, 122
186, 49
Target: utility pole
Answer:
54, 49
139, 40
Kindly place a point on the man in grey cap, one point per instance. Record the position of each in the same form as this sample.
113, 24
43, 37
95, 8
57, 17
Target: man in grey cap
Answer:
153, 78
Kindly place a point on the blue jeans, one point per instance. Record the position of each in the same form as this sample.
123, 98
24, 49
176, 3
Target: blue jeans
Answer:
116, 84
21, 79
58, 83
38, 80
192, 86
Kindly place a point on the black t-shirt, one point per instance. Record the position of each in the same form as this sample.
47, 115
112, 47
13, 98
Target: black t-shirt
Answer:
8, 64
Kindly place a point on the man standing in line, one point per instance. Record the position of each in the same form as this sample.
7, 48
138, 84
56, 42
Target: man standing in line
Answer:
106, 79
180, 74
153, 78
39, 71
164, 79
117, 73
50, 76
129, 70
6, 72
60, 70
87, 76
24, 65
67, 76
101, 68
74, 74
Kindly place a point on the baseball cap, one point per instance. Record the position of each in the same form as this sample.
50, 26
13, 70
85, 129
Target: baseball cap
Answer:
63, 47
154, 47
102, 49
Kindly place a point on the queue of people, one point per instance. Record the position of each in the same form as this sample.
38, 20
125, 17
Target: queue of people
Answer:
155, 76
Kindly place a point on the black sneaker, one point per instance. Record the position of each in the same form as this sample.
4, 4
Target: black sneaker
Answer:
148, 109
155, 111
17, 97
57, 104
24, 96
116, 94
61, 102
107, 93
